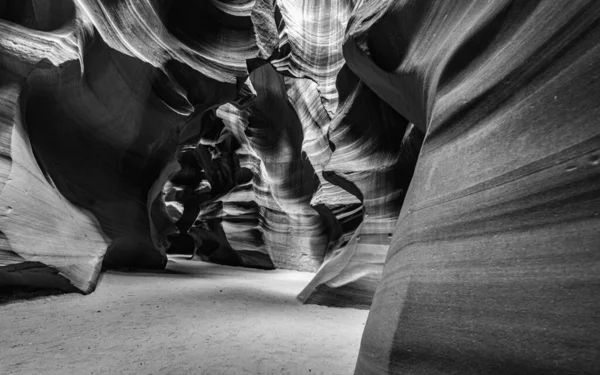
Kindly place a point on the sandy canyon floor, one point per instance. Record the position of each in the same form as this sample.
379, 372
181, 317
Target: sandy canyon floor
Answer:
196, 318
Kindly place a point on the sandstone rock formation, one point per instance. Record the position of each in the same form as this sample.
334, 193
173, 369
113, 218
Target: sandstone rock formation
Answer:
286, 134
242, 139
493, 266
93, 120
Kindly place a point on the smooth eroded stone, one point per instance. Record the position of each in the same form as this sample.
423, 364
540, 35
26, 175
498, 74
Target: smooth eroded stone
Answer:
374, 156
46, 240
93, 124
494, 265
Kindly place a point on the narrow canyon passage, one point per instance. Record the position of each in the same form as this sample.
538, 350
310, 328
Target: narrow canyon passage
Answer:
195, 318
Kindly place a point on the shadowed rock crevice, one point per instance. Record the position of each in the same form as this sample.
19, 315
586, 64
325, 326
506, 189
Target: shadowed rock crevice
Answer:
38, 14
33, 276
375, 163
113, 128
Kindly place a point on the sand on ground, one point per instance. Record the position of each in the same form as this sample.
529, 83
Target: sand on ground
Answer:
198, 318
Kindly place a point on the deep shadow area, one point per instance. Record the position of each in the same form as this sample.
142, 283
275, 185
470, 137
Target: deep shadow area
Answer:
103, 140
12, 294
28, 280
36, 14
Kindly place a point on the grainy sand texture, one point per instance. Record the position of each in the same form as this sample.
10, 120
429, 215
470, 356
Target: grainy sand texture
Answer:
196, 318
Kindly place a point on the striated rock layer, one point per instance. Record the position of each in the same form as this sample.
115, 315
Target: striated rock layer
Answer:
493, 266
318, 169
285, 134
228, 131
92, 120
39, 226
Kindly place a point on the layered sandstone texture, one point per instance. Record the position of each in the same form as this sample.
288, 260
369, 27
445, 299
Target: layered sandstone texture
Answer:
457, 143
229, 131
494, 263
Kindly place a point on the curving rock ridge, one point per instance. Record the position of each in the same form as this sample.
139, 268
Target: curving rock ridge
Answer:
493, 265
375, 150
144, 84
104, 115
213, 37
299, 227
244, 125
36, 219
40, 227
269, 213
309, 43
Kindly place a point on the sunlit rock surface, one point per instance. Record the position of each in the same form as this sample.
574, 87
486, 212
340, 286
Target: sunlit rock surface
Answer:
305, 201
493, 266
232, 137
285, 134
375, 153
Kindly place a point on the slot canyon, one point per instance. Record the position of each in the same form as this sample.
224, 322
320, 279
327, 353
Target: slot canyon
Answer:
300, 187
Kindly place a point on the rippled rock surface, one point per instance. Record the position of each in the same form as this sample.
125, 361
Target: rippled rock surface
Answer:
93, 112
239, 137
493, 266
436, 162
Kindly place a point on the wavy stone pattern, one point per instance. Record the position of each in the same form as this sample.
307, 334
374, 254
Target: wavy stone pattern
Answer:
103, 116
40, 227
310, 43
285, 134
227, 228
304, 215
493, 266
281, 223
373, 159
204, 35
279, 220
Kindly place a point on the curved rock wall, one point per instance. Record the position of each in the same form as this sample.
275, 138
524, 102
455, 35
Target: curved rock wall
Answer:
285, 134
95, 110
319, 169
493, 266
214, 130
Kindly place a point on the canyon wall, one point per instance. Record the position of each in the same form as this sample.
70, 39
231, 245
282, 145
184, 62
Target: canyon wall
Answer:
493, 266
243, 139
456, 143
